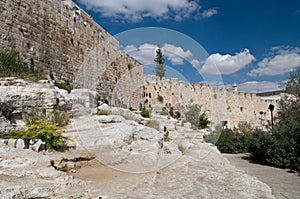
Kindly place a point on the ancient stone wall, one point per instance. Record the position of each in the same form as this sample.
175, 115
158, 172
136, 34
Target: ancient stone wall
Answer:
63, 40
220, 104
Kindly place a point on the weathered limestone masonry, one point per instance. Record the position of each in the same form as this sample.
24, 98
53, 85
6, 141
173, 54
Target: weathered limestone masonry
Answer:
220, 104
63, 40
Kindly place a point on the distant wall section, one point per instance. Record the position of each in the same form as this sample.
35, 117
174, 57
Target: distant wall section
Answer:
222, 105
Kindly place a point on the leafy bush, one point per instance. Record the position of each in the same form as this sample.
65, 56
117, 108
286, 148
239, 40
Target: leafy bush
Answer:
181, 148
160, 98
145, 113
48, 133
237, 140
103, 112
192, 115
198, 121
164, 111
64, 85
230, 142
280, 147
166, 137
177, 115
203, 121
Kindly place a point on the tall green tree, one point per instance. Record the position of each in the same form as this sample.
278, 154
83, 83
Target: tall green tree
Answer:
160, 63
281, 146
197, 120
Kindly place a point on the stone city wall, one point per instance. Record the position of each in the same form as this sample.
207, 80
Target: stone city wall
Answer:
63, 40
220, 104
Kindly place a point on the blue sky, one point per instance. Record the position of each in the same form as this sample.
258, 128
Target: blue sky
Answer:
252, 43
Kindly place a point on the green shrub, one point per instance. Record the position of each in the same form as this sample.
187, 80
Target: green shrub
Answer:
166, 137
48, 133
181, 148
198, 121
280, 147
145, 113
164, 111
177, 115
64, 85
160, 98
103, 112
203, 121
228, 140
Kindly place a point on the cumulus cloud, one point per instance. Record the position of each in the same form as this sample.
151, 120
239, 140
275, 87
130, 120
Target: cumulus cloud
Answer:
195, 62
145, 53
282, 59
259, 87
209, 13
227, 64
136, 10
176, 54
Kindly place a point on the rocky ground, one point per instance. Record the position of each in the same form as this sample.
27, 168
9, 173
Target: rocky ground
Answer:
122, 155
122, 168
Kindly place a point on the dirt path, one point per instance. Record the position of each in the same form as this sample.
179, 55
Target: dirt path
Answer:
284, 184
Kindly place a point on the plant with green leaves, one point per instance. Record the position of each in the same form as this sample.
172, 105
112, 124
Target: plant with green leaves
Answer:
64, 85
145, 113
48, 133
280, 147
11, 64
164, 111
198, 121
203, 121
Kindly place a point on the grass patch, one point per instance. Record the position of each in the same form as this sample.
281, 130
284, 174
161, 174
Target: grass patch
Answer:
181, 148
64, 85
11, 65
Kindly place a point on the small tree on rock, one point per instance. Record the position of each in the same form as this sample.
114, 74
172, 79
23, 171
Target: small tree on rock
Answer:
160, 63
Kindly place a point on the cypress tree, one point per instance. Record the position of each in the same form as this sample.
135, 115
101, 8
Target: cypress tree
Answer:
160, 63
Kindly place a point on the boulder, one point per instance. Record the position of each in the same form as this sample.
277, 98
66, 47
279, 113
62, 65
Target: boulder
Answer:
103, 107
37, 145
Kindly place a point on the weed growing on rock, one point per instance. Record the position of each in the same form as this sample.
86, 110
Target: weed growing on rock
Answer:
145, 113
64, 85
11, 64
48, 133
103, 112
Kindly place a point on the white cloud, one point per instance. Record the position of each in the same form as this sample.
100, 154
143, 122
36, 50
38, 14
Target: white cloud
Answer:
145, 53
195, 62
209, 13
258, 87
135, 10
176, 54
227, 64
281, 60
